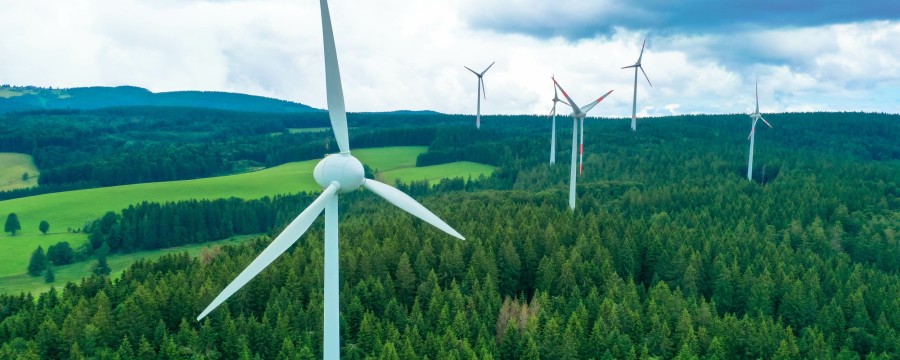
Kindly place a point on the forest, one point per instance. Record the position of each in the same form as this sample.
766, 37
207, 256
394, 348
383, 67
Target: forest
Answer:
670, 253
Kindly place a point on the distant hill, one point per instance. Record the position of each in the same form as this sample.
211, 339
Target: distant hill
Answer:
28, 98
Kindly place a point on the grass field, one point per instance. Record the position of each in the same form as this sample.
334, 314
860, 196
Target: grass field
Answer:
7, 93
434, 173
15, 284
12, 166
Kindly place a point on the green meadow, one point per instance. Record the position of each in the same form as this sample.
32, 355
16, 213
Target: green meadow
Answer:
7, 93
434, 173
14, 284
69, 211
13, 165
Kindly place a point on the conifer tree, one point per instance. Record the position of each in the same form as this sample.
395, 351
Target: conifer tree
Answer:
38, 262
12, 224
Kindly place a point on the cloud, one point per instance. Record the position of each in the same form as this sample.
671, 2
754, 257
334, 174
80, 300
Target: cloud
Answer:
578, 19
396, 54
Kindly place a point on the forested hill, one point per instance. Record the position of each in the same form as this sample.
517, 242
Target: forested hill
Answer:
670, 253
31, 98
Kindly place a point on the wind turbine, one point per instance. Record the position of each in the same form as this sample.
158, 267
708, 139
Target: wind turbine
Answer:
756, 116
578, 115
555, 100
636, 66
480, 90
337, 173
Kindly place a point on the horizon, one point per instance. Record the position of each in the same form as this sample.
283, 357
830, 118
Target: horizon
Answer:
624, 117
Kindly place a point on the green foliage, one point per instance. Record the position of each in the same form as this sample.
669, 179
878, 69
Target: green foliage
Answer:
61, 253
670, 253
44, 226
49, 275
38, 262
12, 224
101, 268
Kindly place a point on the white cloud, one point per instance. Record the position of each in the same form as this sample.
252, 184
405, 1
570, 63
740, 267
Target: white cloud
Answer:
401, 55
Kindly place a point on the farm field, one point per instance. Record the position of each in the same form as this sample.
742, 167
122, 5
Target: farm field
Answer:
464, 169
14, 165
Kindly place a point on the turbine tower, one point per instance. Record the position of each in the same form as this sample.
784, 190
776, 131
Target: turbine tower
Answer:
337, 173
636, 66
578, 115
555, 100
480, 90
756, 116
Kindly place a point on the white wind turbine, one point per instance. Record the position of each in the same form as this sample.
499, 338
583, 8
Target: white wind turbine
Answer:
636, 66
756, 116
578, 115
337, 173
480, 90
555, 100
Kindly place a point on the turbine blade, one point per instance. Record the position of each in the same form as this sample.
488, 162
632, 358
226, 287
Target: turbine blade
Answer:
642, 51
630, 66
764, 120
410, 205
571, 103
645, 75
751, 134
473, 71
590, 106
483, 91
335, 94
757, 96
281, 243
488, 68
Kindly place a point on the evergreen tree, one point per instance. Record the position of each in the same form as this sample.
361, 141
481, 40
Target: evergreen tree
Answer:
101, 267
12, 224
44, 226
38, 262
49, 276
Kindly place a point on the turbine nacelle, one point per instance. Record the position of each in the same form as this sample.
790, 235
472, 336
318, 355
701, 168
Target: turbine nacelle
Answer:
344, 169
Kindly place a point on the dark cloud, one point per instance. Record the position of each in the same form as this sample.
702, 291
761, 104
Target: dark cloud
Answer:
586, 19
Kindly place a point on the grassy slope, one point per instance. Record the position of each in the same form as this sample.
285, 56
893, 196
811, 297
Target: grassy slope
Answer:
7, 93
434, 173
12, 166
15, 284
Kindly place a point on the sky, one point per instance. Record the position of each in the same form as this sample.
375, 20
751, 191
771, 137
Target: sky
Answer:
702, 56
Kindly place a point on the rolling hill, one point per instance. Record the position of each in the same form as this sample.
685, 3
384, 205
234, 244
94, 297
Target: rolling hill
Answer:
31, 98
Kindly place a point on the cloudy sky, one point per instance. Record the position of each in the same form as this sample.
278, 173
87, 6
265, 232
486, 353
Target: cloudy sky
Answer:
702, 56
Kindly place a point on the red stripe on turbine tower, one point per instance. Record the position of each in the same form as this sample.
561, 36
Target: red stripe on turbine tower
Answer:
580, 151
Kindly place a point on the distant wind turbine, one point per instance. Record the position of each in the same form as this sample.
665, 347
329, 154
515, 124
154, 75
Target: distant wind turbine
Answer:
578, 115
636, 66
338, 174
555, 100
756, 116
480, 90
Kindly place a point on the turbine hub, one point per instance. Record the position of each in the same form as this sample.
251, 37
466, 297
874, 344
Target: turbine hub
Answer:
343, 168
